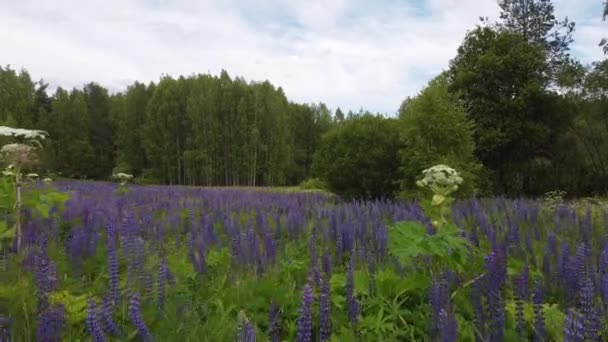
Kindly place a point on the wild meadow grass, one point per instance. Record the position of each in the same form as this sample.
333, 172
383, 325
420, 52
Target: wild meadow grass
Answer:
161, 263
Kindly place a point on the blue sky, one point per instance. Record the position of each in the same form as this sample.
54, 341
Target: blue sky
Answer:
355, 54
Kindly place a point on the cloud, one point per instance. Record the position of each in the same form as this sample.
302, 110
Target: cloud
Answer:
352, 54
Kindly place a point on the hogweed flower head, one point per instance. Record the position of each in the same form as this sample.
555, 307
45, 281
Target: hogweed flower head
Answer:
122, 177
441, 179
21, 132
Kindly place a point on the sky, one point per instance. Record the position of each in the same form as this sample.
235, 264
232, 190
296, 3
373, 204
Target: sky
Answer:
368, 54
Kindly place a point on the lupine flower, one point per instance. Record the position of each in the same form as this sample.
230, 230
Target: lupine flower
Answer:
574, 330
162, 280
351, 301
304, 321
50, 324
521, 295
496, 271
274, 319
325, 311
137, 318
539, 318
5, 329
113, 269
92, 322
588, 311
448, 327
106, 317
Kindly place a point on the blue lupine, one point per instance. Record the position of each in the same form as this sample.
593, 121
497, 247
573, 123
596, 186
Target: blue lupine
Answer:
521, 295
107, 320
137, 318
496, 272
92, 322
274, 319
304, 321
5, 329
539, 318
325, 311
573, 330
113, 270
162, 280
448, 327
351, 300
50, 324
588, 311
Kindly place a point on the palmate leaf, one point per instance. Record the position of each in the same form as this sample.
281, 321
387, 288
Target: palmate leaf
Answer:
6, 232
404, 240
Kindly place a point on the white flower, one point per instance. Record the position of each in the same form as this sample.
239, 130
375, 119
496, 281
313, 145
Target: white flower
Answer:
441, 179
21, 132
32, 175
122, 176
47, 180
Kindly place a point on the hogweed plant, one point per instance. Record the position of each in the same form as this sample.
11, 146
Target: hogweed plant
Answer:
442, 181
123, 179
20, 156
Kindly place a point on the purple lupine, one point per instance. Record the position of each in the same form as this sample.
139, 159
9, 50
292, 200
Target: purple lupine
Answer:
92, 322
304, 321
477, 299
106, 314
351, 300
325, 311
5, 329
113, 269
448, 327
496, 271
573, 330
162, 280
274, 325
137, 318
521, 296
50, 324
588, 311
326, 262
247, 333
539, 317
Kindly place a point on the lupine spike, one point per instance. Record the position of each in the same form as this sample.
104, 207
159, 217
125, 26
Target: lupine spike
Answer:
304, 321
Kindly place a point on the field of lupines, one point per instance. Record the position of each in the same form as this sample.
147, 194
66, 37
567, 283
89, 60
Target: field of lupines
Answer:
202, 264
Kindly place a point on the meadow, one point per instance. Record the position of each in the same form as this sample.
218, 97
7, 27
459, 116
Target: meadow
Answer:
161, 263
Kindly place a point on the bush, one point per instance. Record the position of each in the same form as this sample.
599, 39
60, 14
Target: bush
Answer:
437, 130
313, 184
359, 158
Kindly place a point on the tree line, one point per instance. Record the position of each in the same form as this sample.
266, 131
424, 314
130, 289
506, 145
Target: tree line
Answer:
197, 130
514, 112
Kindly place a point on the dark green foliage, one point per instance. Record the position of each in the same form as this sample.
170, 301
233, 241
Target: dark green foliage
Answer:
359, 158
437, 130
500, 79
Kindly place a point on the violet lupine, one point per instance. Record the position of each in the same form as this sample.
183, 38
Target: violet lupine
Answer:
588, 311
137, 318
162, 281
325, 311
50, 324
351, 300
274, 319
539, 317
448, 326
326, 262
106, 314
5, 329
246, 333
92, 322
304, 321
574, 330
496, 271
477, 301
521, 296
113, 269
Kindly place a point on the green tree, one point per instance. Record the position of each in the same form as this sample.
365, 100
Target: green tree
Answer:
16, 98
501, 79
535, 21
437, 130
359, 159
100, 130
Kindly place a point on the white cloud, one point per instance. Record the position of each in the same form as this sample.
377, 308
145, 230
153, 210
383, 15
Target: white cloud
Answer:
350, 54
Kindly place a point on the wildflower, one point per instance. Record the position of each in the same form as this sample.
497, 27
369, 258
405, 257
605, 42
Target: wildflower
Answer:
21, 132
441, 179
92, 322
137, 319
304, 321
274, 330
19, 154
324, 311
